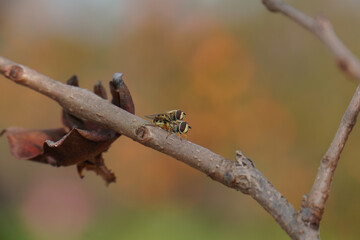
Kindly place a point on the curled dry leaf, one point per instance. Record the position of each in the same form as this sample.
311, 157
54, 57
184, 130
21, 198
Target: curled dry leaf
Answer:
79, 143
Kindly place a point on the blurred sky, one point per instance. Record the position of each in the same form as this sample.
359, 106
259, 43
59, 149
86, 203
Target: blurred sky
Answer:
247, 79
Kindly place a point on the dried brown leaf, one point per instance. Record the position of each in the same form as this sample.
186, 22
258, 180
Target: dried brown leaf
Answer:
83, 143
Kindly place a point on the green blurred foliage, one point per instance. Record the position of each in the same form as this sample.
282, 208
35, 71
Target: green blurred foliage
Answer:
247, 79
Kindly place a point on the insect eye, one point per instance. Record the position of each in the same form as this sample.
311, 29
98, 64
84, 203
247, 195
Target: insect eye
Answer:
183, 127
178, 115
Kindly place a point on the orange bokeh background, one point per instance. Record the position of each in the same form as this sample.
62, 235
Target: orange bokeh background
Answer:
247, 79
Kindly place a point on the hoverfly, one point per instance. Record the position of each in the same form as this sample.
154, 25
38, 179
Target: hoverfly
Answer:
170, 116
171, 121
180, 127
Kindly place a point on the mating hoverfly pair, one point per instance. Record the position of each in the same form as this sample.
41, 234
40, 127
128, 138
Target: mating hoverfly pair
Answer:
171, 121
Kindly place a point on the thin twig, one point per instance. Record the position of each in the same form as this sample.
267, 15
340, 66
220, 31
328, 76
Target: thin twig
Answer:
313, 203
241, 174
322, 28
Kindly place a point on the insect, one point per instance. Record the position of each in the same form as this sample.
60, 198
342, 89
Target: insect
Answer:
180, 127
170, 116
171, 121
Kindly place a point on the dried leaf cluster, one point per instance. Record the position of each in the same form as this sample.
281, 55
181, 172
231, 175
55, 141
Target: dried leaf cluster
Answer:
79, 142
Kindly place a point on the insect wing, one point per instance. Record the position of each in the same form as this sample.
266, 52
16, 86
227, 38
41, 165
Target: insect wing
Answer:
153, 116
159, 117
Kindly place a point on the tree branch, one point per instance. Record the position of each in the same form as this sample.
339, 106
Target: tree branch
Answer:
313, 203
241, 174
322, 28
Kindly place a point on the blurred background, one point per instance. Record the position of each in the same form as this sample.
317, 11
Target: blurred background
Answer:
247, 79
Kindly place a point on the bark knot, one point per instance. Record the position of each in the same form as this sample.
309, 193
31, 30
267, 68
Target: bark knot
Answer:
239, 182
243, 184
311, 217
143, 134
14, 72
243, 161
